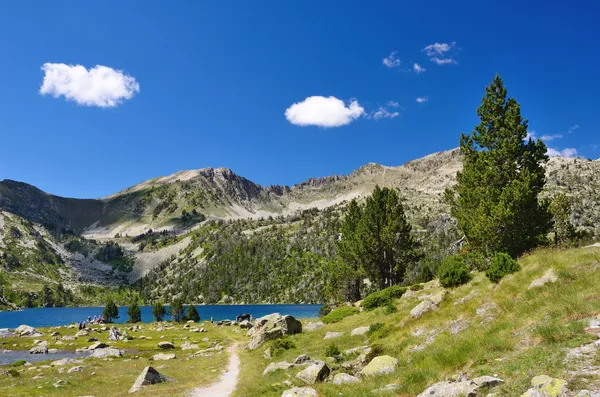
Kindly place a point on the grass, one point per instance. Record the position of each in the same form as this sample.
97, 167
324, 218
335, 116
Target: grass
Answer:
337, 315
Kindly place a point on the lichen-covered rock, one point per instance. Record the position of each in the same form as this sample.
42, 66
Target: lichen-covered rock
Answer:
272, 367
439, 297
300, 392
545, 386
464, 388
359, 331
380, 365
548, 277
422, 308
318, 371
333, 335
148, 376
272, 326
342, 378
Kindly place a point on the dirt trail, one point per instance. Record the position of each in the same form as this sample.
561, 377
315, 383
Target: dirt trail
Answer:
228, 381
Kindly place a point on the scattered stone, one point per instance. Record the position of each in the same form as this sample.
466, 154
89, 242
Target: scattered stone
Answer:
99, 345
92, 339
166, 345
81, 333
42, 348
548, 277
78, 368
466, 298
314, 326
300, 392
272, 326
468, 388
333, 335
359, 331
149, 376
60, 383
26, 330
422, 308
358, 349
302, 359
318, 371
55, 333
189, 346
164, 356
380, 365
457, 325
545, 386
107, 352
272, 367
431, 285
246, 324
65, 361
342, 378
387, 388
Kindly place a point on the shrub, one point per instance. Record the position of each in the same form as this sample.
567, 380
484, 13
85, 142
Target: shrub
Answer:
383, 297
454, 272
374, 328
339, 314
390, 307
332, 350
18, 363
381, 332
476, 261
502, 265
134, 313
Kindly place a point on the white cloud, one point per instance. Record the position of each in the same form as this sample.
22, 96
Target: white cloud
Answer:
570, 130
437, 53
422, 99
531, 135
552, 137
383, 113
568, 152
393, 104
392, 60
323, 112
99, 86
418, 68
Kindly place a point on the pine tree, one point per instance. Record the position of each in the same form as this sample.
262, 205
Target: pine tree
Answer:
134, 313
349, 249
177, 311
47, 296
495, 199
193, 314
159, 311
564, 231
388, 246
111, 311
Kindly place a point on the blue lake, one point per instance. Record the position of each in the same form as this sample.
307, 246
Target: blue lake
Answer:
47, 317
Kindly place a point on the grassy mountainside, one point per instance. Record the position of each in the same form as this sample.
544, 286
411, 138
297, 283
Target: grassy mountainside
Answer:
480, 328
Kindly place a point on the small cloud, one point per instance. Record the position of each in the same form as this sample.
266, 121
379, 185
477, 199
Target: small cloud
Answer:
418, 68
422, 99
531, 135
568, 152
323, 112
383, 113
570, 130
99, 86
438, 53
392, 60
393, 104
549, 138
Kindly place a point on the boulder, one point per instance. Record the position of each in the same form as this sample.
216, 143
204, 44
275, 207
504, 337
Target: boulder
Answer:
439, 297
272, 326
98, 345
302, 359
81, 333
107, 352
464, 388
359, 331
25, 330
189, 346
314, 326
300, 392
166, 345
545, 386
548, 277
42, 348
380, 365
272, 367
149, 376
333, 335
164, 356
341, 378
246, 324
422, 308
78, 368
65, 361
316, 372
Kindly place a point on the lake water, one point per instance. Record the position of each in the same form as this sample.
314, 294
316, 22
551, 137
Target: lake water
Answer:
47, 317
11, 356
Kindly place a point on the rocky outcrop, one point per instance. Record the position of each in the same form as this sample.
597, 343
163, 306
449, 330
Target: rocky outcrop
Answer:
272, 326
463, 388
318, 371
300, 392
548, 277
422, 308
149, 376
26, 330
380, 365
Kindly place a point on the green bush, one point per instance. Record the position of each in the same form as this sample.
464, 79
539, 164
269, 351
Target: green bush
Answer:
390, 307
279, 345
454, 272
374, 328
18, 363
476, 261
332, 350
383, 297
339, 314
502, 265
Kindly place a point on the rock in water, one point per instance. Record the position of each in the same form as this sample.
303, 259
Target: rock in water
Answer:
272, 326
149, 376
300, 392
380, 365
316, 372
42, 348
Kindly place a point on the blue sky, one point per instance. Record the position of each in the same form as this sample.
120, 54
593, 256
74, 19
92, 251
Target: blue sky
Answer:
186, 85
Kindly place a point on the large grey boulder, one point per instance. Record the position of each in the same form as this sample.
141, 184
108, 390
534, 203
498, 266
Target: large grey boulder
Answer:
42, 348
272, 326
333, 335
300, 392
149, 376
107, 352
380, 365
272, 367
342, 378
164, 356
464, 388
422, 308
545, 386
316, 372
26, 330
